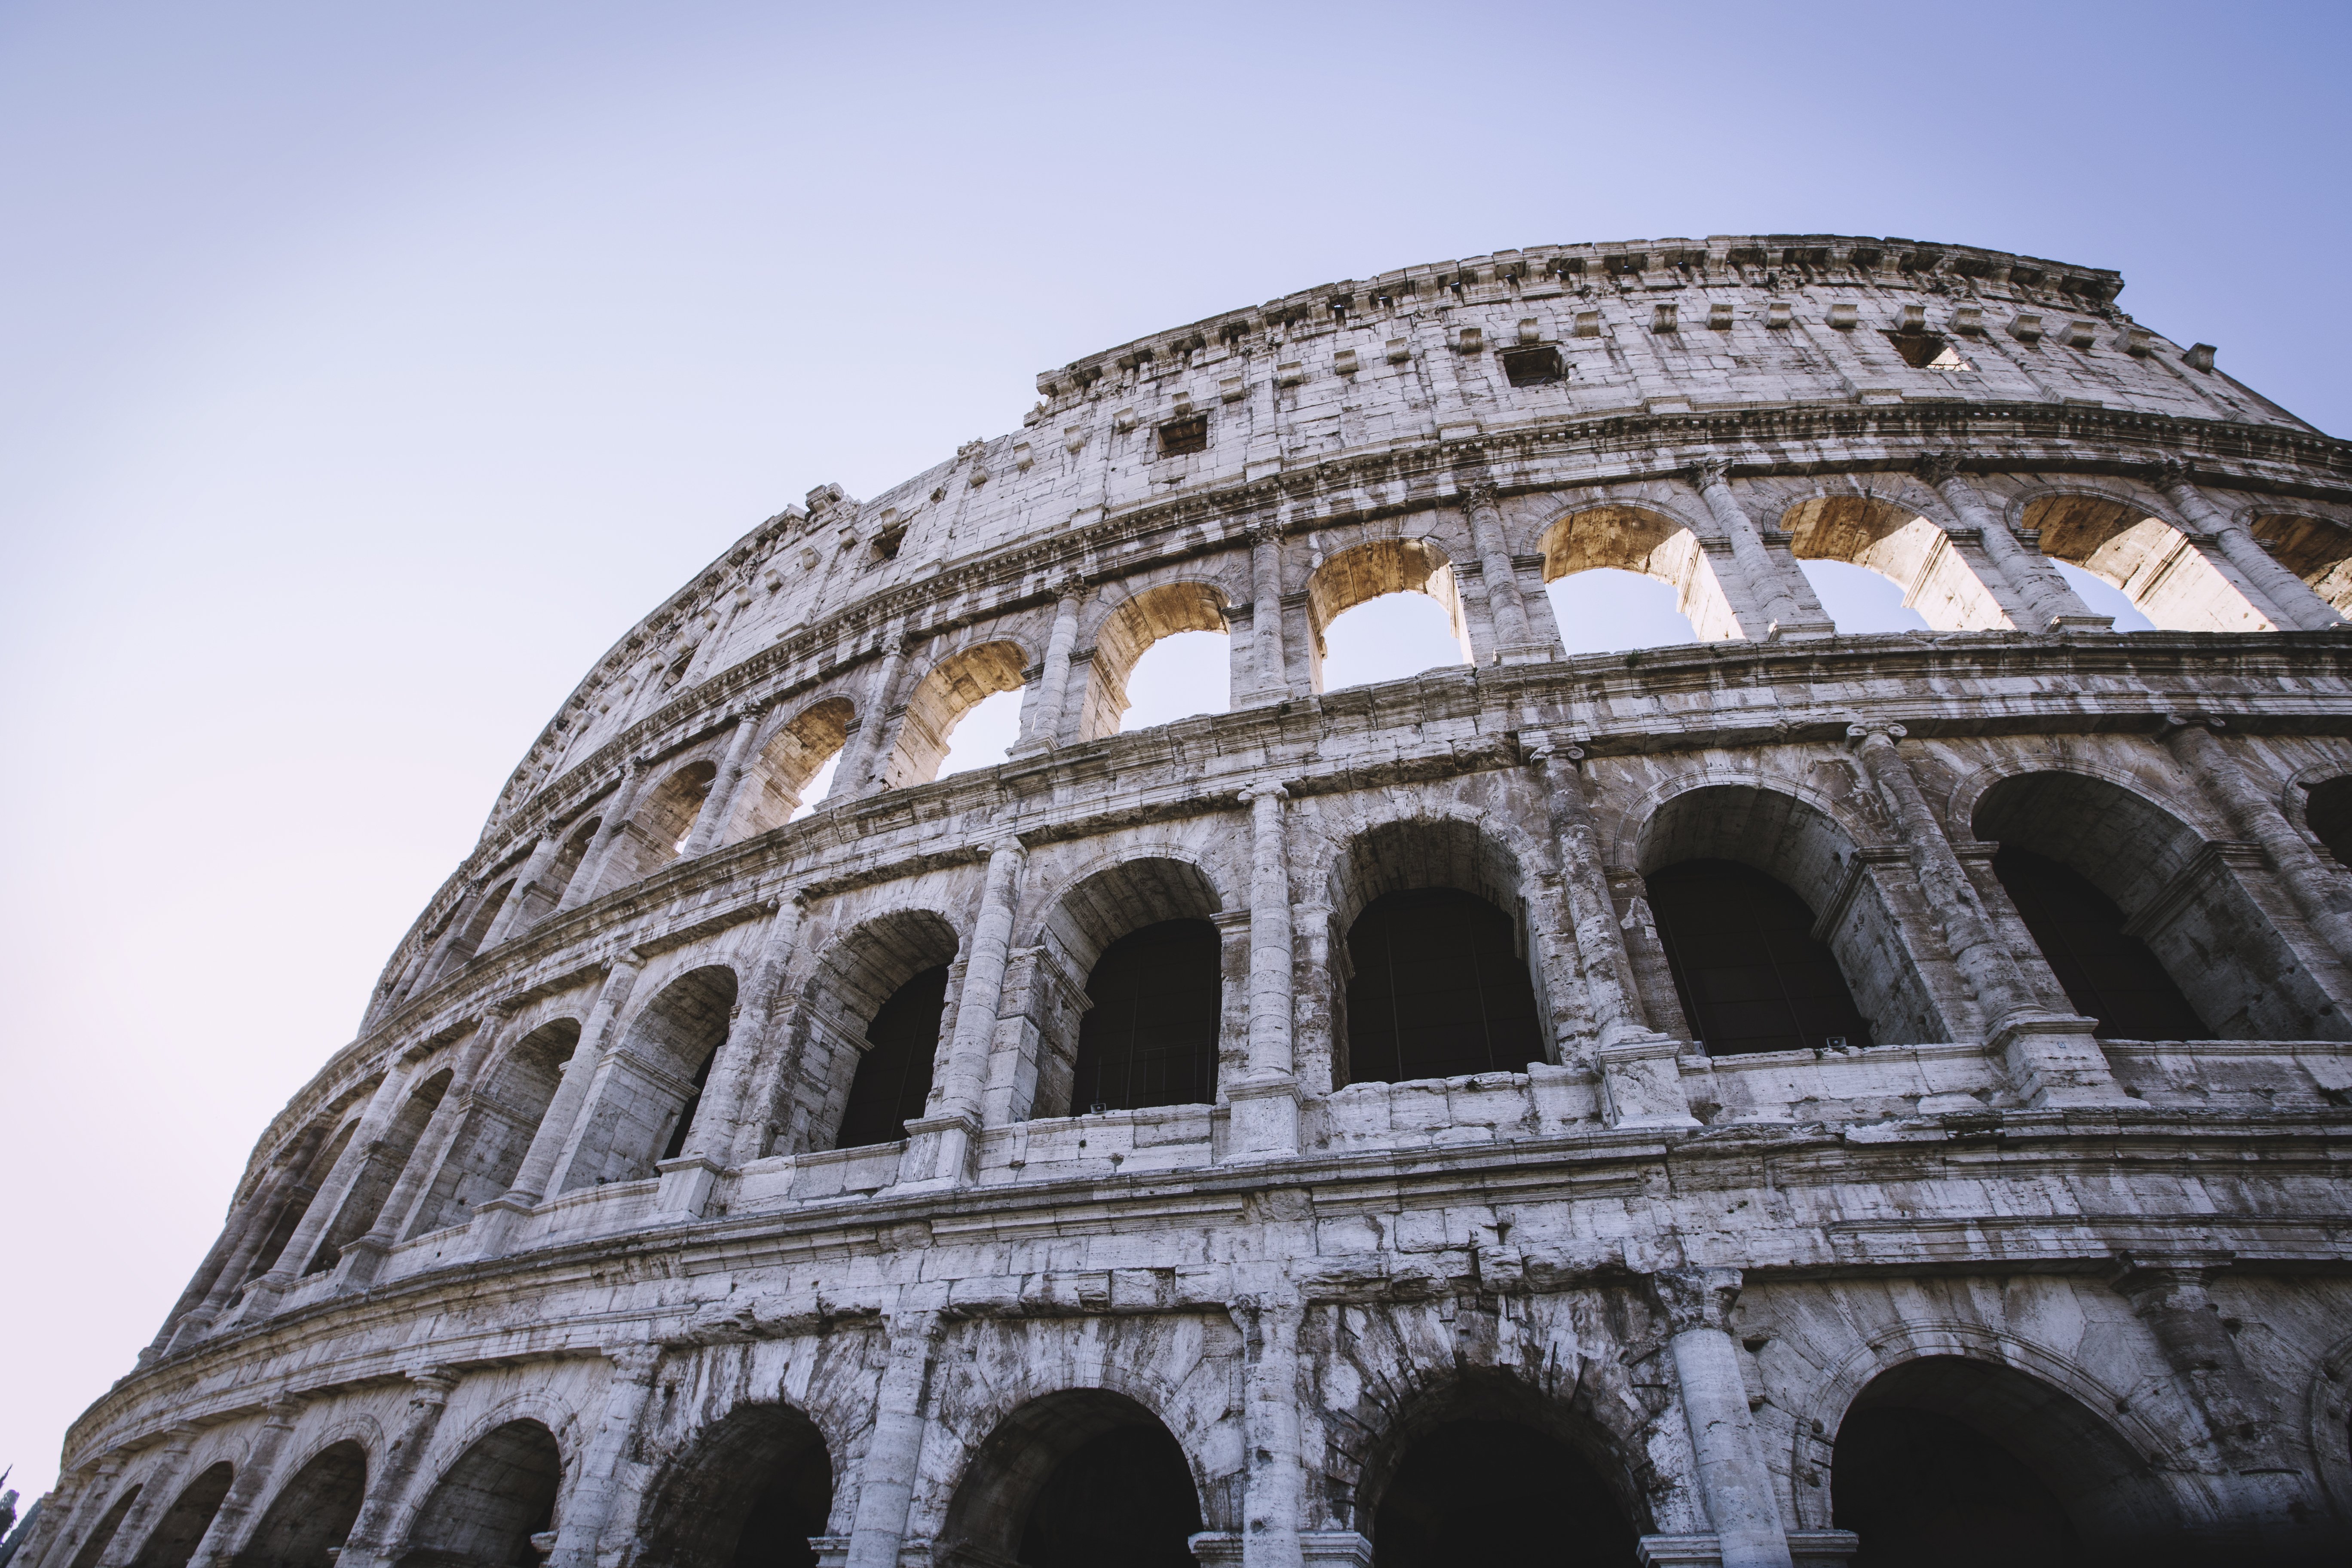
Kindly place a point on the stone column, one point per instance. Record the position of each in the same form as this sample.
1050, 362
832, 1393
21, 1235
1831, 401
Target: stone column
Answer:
254, 1477
157, 1493
717, 806
944, 1139
368, 1545
1054, 684
1788, 611
2267, 1487
588, 1511
886, 1481
1734, 1482
2320, 893
260, 1217
542, 854
2050, 604
1514, 644
769, 1007
1275, 1484
244, 1220
366, 1138
495, 1220
437, 959
365, 1255
2297, 605
2055, 1060
590, 874
1312, 987
89, 1503
860, 770
1265, 1097
1640, 1076
689, 1181
1273, 672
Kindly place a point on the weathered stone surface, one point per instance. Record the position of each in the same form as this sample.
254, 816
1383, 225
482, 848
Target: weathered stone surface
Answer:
480, 1253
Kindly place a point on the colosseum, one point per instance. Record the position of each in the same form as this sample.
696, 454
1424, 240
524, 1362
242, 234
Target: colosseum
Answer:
1784, 1097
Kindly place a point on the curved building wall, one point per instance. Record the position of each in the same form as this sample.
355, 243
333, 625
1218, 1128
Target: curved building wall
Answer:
1703, 1073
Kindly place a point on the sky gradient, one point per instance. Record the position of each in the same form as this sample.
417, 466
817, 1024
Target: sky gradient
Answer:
366, 372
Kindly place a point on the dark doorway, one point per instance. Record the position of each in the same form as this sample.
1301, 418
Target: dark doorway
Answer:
1925, 1491
103, 1536
2108, 975
894, 1077
175, 1540
1439, 990
677, 1145
311, 1514
1150, 1037
749, 1494
1498, 1492
1750, 971
1125, 1498
483, 1510
2328, 810
793, 1507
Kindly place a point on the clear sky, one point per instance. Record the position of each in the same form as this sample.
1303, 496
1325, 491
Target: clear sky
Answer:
366, 371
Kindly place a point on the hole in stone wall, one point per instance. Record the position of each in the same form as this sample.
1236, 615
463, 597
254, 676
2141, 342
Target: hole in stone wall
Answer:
1075, 1479
2328, 810
749, 1494
175, 1540
2107, 974
1498, 1492
1150, 1037
311, 1513
894, 1077
1178, 437
1538, 366
1749, 972
1926, 350
1439, 990
485, 1508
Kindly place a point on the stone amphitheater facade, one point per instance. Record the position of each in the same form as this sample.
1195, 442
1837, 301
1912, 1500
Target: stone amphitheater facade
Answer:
564, 1258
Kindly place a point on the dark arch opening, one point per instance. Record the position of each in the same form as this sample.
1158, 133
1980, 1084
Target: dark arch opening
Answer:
1073, 1480
657, 1079
2106, 973
103, 1536
894, 1076
1945, 1461
2328, 810
1495, 1491
311, 1513
483, 1510
173, 1542
1150, 1037
1438, 990
749, 1495
1750, 971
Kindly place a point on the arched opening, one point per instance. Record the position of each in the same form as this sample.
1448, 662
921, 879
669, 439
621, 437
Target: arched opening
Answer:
365, 1203
2327, 810
1945, 1460
298, 1199
174, 1539
1077, 1480
501, 1117
749, 1494
1749, 972
559, 877
894, 1077
657, 828
2316, 549
1148, 1026
841, 1004
944, 699
477, 922
311, 1513
1150, 1037
2157, 567
1405, 640
792, 772
2106, 973
1433, 979
1933, 584
1489, 1471
1771, 930
109, 1524
1145, 629
2187, 908
483, 1510
653, 1085
1608, 569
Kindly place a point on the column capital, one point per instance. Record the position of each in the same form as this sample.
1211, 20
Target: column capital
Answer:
633, 1362
1479, 494
1263, 789
1937, 467
1696, 1297
2174, 723
1067, 585
432, 1385
989, 848
1875, 731
2172, 473
1708, 472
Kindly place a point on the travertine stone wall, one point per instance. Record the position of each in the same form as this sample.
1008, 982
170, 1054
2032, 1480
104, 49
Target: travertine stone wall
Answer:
462, 1251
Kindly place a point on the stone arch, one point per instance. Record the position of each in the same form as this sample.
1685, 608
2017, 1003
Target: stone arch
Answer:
1650, 542
173, 1538
753, 1486
313, 1512
2312, 545
953, 687
649, 1086
305, 1190
487, 1504
2067, 1479
1129, 630
2142, 550
2179, 894
2326, 811
566, 866
363, 1202
1787, 835
109, 1525
1034, 1488
1365, 572
853, 976
1898, 536
786, 761
1104, 903
660, 821
475, 924
502, 1112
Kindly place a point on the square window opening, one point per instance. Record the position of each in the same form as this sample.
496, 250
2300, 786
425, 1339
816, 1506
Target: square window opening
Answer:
1178, 437
1926, 350
1538, 366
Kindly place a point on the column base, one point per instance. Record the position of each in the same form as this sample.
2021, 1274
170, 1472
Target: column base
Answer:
1641, 1083
1265, 1120
2054, 1061
361, 1262
496, 1222
938, 1153
1339, 1548
832, 1551
1525, 653
1678, 1551
686, 1185
1823, 1548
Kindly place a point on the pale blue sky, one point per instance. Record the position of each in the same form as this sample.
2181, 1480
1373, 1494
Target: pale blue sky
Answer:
366, 371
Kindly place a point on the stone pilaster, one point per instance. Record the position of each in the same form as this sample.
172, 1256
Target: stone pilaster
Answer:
1265, 1097
945, 1139
1052, 706
1272, 669
257, 1477
506, 923
2050, 604
886, 1481
157, 1493
588, 1512
1734, 1483
364, 1256
719, 805
2295, 603
369, 1544
689, 1181
1788, 607
589, 875
1514, 642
